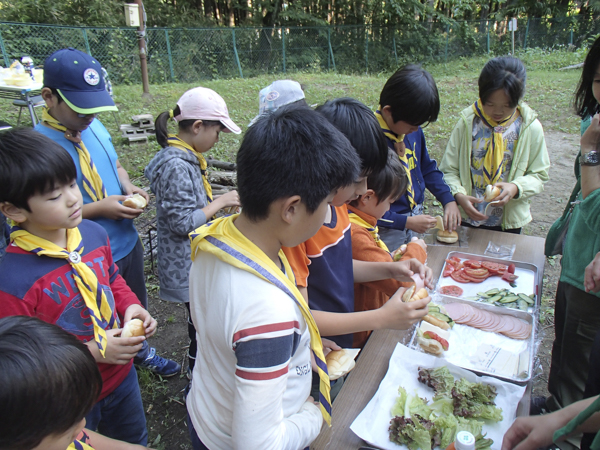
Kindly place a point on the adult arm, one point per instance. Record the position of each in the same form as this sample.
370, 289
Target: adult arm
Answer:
590, 175
532, 432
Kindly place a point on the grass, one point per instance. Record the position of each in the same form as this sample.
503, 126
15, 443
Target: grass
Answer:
549, 92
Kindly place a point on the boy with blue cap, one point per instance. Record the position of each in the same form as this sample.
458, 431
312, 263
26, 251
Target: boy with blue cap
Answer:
75, 92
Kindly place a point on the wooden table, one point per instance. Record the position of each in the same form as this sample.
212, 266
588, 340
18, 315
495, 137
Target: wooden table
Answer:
372, 365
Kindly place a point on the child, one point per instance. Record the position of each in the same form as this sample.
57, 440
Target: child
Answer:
74, 92
254, 328
60, 269
49, 381
184, 199
383, 189
497, 141
409, 100
323, 265
279, 93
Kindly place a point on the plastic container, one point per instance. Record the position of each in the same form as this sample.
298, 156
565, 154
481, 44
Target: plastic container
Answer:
464, 441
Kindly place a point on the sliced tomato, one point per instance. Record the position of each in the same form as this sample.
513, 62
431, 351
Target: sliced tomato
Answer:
451, 262
455, 258
510, 277
473, 264
511, 268
452, 290
448, 270
474, 279
441, 340
477, 273
458, 276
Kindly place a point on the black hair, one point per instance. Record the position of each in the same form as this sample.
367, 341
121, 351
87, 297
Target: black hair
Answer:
161, 125
292, 151
412, 95
506, 73
585, 103
392, 181
49, 381
359, 125
31, 163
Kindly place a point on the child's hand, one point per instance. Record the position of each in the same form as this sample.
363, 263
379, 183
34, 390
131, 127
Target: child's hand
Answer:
452, 217
138, 312
230, 199
591, 137
397, 315
509, 190
405, 270
112, 208
467, 202
329, 346
118, 350
131, 189
421, 242
591, 279
420, 223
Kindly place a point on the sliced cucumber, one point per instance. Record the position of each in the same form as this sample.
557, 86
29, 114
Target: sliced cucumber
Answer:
526, 298
523, 305
491, 292
509, 299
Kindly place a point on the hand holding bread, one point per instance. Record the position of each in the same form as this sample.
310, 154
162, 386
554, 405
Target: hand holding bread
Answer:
133, 328
136, 201
340, 362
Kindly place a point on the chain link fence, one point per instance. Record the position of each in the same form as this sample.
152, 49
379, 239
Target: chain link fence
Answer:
194, 54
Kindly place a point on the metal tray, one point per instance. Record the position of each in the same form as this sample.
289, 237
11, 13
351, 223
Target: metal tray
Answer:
482, 337
527, 283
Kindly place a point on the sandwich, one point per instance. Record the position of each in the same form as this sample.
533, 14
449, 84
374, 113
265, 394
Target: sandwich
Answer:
447, 237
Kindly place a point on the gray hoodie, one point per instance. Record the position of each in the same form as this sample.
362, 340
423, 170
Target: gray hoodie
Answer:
176, 180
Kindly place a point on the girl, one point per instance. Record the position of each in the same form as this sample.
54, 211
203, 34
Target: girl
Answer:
184, 199
497, 141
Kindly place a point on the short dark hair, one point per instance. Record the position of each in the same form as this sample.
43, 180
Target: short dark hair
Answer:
49, 381
506, 73
584, 102
412, 95
292, 151
358, 123
161, 125
392, 181
31, 163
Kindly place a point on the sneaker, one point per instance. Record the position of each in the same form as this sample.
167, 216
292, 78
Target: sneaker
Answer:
159, 365
538, 406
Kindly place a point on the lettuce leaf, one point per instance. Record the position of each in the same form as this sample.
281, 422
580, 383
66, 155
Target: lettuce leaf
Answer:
412, 432
398, 408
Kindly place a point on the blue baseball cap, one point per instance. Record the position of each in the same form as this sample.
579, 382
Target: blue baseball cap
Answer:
78, 79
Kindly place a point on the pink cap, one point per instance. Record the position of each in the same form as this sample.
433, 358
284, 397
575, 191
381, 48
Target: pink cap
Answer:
205, 104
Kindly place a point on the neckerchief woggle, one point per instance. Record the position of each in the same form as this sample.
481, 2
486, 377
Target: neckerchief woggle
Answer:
403, 159
175, 141
222, 239
85, 278
92, 183
374, 230
493, 161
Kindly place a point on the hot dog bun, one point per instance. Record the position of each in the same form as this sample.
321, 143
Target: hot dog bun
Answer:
408, 294
437, 322
133, 328
136, 201
448, 237
491, 192
340, 362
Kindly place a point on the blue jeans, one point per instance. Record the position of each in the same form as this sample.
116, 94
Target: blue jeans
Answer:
120, 415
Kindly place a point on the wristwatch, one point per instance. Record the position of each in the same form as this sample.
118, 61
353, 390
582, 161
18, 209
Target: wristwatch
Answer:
591, 158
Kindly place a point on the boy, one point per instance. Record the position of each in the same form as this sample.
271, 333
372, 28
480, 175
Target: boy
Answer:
383, 189
60, 269
409, 100
74, 92
254, 328
48, 383
323, 265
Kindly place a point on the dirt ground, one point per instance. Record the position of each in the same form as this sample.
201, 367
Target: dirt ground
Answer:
163, 399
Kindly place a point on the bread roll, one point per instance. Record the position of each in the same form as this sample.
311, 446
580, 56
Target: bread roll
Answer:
340, 362
431, 346
491, 192
133, 328
437, 322
136, 201
408, 294
448, 237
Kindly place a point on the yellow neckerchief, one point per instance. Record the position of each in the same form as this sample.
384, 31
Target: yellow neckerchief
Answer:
403, 159
577, 421
85, 278
492, 163
92, 183
355, 218
177, 142
78, 445
222, 239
